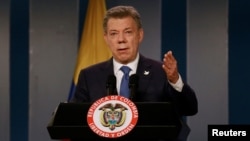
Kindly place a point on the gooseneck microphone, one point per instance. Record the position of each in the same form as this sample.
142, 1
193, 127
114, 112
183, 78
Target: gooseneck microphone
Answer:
111, 85
133, 85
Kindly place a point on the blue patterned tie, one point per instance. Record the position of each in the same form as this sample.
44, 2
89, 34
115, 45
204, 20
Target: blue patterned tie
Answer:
124, 89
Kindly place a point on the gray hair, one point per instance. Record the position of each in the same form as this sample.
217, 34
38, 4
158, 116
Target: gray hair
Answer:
121, 12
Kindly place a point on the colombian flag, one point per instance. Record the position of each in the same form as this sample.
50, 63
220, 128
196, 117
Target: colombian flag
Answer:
93, 48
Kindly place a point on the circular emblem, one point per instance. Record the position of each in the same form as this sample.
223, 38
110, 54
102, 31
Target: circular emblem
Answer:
112, 116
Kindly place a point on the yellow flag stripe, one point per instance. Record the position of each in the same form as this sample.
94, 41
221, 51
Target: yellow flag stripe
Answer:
93, 48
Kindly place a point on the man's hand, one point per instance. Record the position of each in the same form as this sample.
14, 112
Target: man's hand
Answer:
170, 67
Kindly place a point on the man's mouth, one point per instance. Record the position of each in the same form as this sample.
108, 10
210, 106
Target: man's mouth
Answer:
121, 49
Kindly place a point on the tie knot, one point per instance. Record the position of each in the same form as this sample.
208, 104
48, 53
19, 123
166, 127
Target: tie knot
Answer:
125, 69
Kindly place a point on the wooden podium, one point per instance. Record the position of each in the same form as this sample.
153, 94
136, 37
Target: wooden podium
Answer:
157, 120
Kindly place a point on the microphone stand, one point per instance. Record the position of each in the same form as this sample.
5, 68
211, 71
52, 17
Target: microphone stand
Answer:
111, 85
133, 84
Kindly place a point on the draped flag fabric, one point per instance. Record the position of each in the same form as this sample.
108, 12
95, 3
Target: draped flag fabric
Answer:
93, 48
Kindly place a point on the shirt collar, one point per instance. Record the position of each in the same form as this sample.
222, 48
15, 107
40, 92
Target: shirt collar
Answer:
132, 65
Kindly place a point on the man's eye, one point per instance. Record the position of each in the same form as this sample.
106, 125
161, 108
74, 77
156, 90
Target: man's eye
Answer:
128, 32
113, 34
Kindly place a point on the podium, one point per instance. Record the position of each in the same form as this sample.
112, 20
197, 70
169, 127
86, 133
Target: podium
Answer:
157, 120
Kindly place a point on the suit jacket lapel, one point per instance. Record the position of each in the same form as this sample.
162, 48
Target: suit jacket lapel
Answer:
144, 73
105, 70
108, 67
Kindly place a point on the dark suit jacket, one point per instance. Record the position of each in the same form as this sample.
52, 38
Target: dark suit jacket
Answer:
153, 87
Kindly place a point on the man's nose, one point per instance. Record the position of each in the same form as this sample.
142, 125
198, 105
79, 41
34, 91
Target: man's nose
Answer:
121, 38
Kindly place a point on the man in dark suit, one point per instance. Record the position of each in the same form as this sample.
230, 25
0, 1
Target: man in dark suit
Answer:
158, 81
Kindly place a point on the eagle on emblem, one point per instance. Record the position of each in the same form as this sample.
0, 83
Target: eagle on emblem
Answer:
112, 115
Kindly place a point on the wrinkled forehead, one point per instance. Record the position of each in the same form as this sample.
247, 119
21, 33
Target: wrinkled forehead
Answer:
121, 24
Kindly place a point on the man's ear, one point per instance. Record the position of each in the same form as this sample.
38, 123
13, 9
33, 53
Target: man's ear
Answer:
105, 37
141, 35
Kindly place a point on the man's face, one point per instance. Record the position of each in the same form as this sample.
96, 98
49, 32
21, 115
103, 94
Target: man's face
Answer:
123, 38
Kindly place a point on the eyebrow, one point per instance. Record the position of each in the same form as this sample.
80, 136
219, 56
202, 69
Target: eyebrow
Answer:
124, 29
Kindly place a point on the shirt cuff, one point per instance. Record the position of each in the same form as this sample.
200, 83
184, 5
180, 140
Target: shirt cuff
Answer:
178, 85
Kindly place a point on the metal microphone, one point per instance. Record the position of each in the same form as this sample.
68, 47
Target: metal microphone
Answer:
133, 85
111, 85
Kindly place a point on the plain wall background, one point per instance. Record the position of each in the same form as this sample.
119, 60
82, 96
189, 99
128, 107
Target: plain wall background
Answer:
53, 50
4, 70
207, 45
